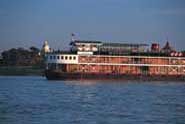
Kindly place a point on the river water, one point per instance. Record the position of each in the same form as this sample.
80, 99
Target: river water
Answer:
35, 100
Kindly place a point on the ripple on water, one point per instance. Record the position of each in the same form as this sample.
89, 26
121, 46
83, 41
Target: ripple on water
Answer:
37, 100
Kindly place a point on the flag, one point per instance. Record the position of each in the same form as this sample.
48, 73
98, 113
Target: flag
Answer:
72, 34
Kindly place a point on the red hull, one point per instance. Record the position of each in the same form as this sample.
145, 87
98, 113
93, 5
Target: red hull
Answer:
54, 75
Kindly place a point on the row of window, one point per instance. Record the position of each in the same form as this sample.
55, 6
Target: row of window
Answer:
63, 57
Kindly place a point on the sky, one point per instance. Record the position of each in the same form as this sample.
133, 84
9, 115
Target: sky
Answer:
25, 23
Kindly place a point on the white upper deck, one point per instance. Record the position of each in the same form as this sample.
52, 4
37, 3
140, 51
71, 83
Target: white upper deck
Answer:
62, 58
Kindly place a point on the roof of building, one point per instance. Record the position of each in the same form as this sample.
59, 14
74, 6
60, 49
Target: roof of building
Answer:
86, 41
108, 44
123, 45
167, 46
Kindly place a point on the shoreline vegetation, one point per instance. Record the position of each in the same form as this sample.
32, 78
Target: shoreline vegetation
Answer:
22, 62
21, 71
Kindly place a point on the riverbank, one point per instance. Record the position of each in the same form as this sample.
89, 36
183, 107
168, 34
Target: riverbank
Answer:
20, 70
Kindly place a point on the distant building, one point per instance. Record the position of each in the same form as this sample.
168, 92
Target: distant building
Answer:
155, 48
46, 48
167, 48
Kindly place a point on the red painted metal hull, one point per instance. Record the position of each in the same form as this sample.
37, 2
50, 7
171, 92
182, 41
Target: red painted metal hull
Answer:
54, 75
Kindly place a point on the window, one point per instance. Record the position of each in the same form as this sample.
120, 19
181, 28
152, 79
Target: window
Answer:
58, 57
50, 57
66, 57
62, 57
54, 57
70, 57
74, 57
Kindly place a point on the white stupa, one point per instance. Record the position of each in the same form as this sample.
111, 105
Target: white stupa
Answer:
45, 47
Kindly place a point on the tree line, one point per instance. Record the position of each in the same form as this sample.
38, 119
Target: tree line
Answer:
22, 57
